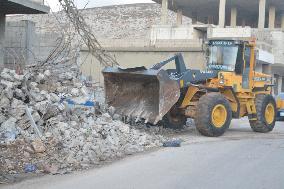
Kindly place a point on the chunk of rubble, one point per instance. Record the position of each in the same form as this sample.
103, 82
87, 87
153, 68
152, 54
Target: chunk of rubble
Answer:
38, 146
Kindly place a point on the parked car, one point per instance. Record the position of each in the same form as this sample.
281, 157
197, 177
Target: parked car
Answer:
280, 113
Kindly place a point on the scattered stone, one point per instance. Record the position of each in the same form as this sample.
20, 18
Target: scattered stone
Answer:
2, 118
29, 150
47, 73
9, 125
9, 164
38, 146
7, 84
54, 98
75, 92
51, 169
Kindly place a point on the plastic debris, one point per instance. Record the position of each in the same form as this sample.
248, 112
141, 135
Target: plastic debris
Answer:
30, 168
172, 143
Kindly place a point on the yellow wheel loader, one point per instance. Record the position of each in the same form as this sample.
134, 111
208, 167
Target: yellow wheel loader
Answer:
229, 88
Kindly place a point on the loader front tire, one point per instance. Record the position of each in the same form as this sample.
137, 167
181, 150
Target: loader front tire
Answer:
265, 113
213, 115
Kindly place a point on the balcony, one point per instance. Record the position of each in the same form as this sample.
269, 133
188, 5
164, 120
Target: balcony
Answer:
23, 7
39, 1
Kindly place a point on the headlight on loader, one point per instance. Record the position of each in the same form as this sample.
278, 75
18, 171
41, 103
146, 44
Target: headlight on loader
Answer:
222, 82
221, 79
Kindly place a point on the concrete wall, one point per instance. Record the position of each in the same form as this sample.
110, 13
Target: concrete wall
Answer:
2, 36
92, 68
171, 33
277, 38
24, 46
45, 44
19, 40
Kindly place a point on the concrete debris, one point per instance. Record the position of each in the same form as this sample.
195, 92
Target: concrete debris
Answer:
75, 134
51, 169
173, 143
8, 130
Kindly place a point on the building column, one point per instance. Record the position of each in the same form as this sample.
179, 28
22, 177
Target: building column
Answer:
282, 87
272, 13
210, 20
222, 13
194, 18
234, 16
179, 17
280, 84
244, 23
30, 40
261, 14
276, 86
2, 38
164, 18
282, 21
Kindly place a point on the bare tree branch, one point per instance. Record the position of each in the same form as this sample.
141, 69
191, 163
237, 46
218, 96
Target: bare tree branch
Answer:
86, 34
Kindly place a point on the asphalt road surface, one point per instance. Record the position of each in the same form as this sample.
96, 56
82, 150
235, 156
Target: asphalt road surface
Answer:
240, 159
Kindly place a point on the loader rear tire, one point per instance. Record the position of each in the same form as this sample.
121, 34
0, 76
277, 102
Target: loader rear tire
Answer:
174, 120
213, 115
266, 113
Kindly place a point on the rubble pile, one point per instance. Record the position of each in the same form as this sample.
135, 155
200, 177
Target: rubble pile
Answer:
50, 121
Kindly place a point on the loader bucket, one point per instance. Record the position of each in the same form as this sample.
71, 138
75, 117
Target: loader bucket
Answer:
140, 93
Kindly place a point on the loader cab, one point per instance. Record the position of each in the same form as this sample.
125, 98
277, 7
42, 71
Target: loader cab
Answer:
231, 56
222, 55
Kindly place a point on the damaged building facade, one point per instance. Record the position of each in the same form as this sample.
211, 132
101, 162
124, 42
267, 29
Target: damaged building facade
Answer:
184, 25
260, 19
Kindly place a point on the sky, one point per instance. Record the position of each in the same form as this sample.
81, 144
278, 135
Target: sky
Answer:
94, 3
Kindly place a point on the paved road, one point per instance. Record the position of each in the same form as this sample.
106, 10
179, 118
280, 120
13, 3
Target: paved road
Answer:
240, 159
